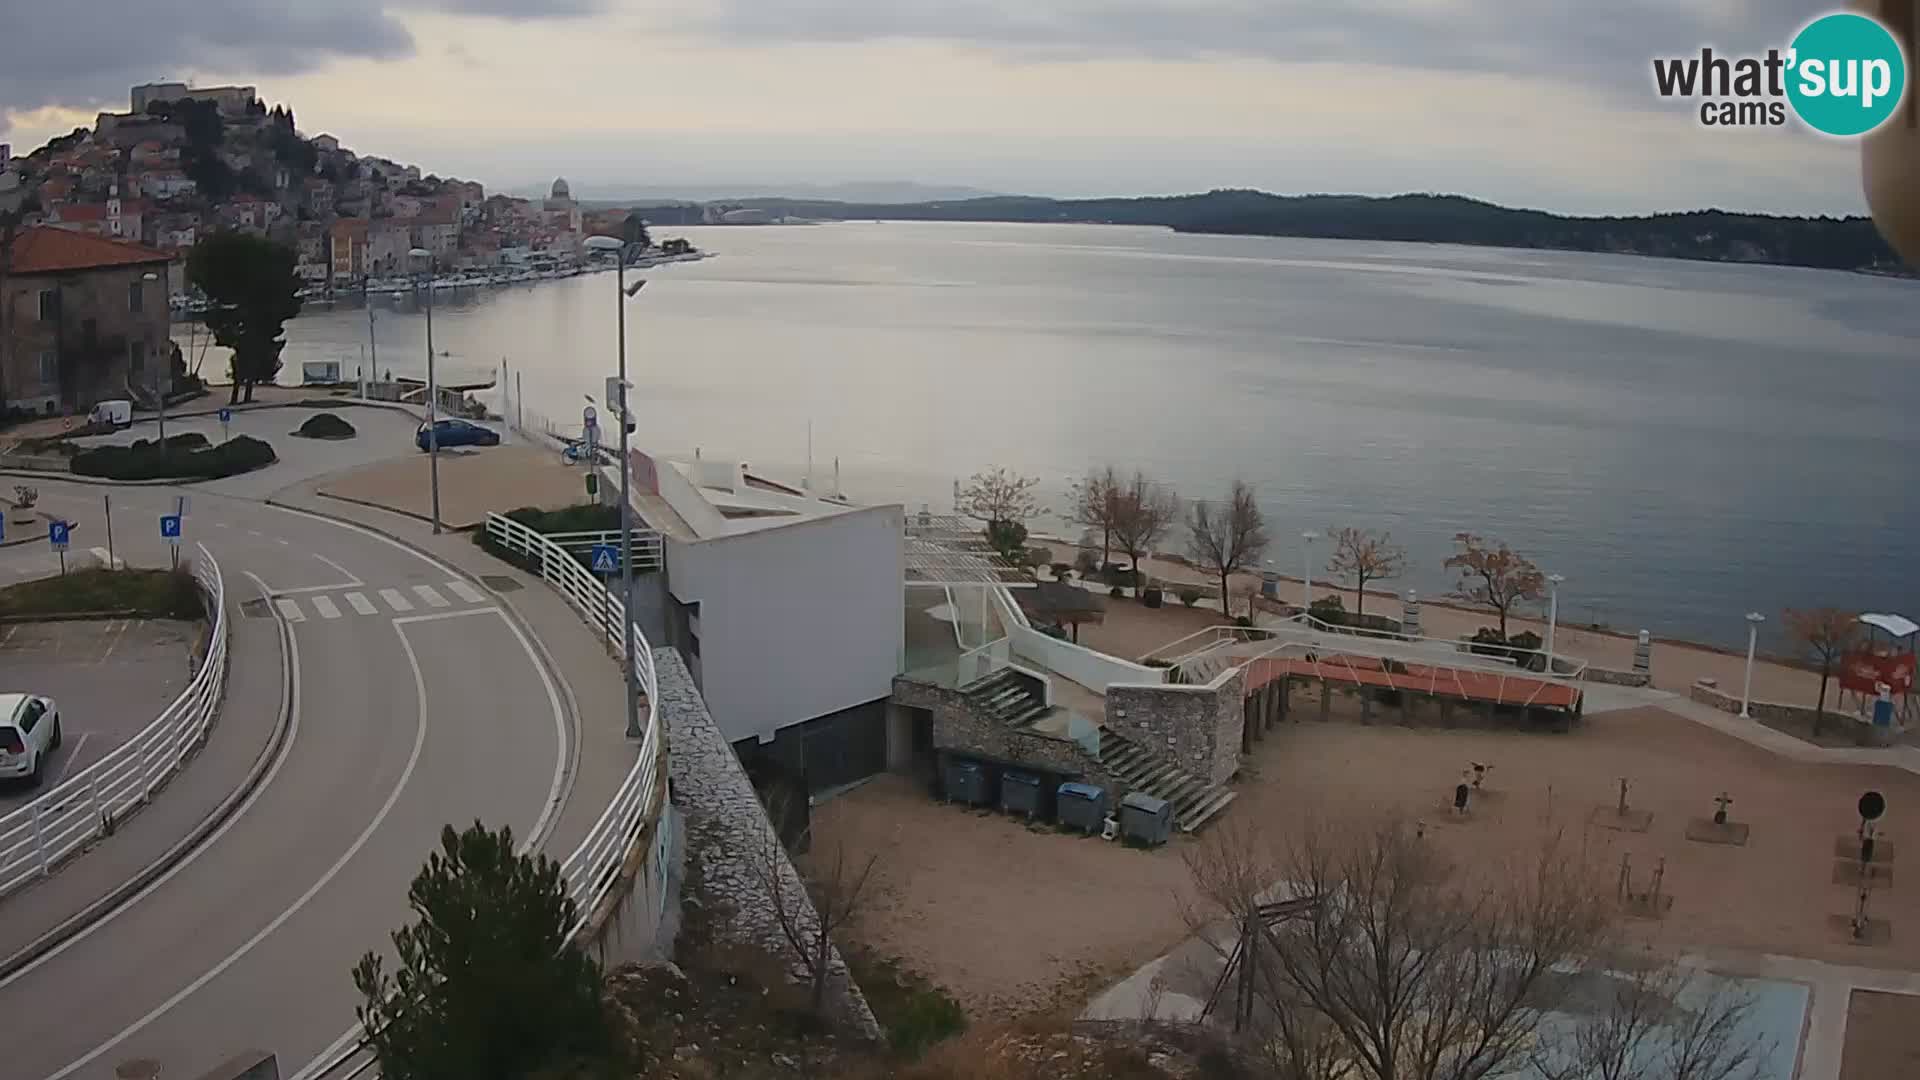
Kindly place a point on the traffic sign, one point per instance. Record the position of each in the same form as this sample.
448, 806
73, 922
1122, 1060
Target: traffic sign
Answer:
589, 417
225, 415
170, 528
58, 533
606, 558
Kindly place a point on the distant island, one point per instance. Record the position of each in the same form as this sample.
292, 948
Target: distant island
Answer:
1831, 243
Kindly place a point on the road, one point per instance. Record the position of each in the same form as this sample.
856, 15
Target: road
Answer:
415, 702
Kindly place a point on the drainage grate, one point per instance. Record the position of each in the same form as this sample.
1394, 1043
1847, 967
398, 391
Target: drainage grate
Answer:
254, 609
500, 582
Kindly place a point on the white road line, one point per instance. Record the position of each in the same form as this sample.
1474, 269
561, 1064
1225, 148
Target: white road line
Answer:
282, 541
361, 605
431, 596
256, 532
335, 587
289, 701
396, 599
234, 957
466, 592
67, 760
324, 605
344, 572
441, 615
221, 525
289, 610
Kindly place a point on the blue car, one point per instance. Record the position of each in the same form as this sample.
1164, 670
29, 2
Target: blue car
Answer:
456, 433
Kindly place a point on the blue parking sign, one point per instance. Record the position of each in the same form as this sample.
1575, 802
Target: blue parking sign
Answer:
57, 534
606, 558
170, 528
225, 415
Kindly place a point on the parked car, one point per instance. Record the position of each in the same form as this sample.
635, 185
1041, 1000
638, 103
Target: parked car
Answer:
29, 733
451, 432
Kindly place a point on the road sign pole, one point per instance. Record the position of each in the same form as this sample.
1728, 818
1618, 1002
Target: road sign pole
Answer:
108, 500
63, 562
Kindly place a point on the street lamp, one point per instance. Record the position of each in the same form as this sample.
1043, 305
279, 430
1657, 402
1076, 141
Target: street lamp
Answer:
165, 360
433, 394
1306, 578
1754, 619
1553, 613
619, 249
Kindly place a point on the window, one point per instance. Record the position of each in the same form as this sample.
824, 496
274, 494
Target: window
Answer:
30, 714
49, 305
49, 367
133, 297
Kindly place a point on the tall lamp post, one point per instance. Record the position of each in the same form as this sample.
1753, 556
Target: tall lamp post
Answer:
166, 359
1306, 564
433, 393
1754, 619
1553, 613
619, 249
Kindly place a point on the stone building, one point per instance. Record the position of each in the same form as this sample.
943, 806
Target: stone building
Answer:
82, 319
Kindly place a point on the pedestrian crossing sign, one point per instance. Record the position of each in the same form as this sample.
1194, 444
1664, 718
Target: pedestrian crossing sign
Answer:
606, 558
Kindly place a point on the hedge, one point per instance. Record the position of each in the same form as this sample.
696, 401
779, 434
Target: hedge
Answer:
178, 460
325, 426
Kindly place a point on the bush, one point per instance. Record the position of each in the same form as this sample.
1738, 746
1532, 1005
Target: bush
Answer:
1061, 570
1085, 563
187, 440
150, 594
1189, 596
1117, 592
325, 426
1243, 621
1152, 596
1330, 610
146, 460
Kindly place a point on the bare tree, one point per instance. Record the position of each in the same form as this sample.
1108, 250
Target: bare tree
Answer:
1827, 634
1227, 539
1093, 502
809, 915
1655, 1021
1004, 501
1361, 556
1492, 576
1143, 513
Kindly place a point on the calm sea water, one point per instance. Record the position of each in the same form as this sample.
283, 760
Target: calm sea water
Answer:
1685, 442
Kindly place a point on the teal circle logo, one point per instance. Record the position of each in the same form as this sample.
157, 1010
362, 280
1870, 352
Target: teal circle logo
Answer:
1846, 74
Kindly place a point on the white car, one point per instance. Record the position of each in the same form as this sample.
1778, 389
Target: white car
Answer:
29, 733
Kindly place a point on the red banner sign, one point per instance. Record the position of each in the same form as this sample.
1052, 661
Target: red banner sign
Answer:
1865, 672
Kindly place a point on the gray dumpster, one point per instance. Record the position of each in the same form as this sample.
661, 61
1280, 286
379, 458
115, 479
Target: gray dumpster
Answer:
1020, 794
1145, 818
1083, 807
967, 783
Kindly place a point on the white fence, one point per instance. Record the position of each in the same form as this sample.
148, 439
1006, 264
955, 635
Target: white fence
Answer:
1094, 670
35, 837
648, 552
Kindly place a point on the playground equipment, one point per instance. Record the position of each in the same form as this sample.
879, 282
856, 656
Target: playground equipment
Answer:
1876, 678
1866, 873
1652, 902
1621, 816
1718, 830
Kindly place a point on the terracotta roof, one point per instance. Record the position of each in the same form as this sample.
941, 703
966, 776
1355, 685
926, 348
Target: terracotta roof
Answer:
47, 250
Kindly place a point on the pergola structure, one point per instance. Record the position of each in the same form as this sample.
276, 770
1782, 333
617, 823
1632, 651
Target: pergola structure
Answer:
950, 551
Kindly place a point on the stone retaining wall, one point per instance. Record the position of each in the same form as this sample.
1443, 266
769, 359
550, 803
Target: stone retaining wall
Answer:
1198, 728
1621, 678
958, 729
728, 830
1706, 693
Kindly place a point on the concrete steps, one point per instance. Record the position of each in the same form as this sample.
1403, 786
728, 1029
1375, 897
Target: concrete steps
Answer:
1194, 799
1007, 697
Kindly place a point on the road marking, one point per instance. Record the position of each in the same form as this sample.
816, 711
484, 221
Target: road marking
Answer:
344, 572
396, 599
361, 605
289, 610
431, 596
283, 542
324, 605
466, 592
442, 615
67, 759
117, 635
256, 532
290, 701
247, 946
221, 525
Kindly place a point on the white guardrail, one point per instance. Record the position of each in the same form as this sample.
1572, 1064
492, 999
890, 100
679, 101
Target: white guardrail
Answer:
35, 837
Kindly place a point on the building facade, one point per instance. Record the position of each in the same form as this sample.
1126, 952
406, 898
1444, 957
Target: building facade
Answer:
82, 319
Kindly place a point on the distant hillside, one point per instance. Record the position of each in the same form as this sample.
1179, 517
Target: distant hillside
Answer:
1827, 242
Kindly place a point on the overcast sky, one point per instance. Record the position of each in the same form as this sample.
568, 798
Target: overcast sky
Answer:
1545, 103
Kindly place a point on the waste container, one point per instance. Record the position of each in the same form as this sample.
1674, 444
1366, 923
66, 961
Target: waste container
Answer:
1145, 818
1020, 794
1082, 806
966, 782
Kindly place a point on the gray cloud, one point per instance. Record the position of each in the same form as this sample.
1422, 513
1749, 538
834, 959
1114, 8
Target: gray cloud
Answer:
85, 53
1606, 44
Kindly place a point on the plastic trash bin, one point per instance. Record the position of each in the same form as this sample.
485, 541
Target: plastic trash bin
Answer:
967, 783
1020, 794
1082, 806
1145, 818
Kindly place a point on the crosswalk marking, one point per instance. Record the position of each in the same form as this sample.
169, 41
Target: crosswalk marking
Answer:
361, 605
324, 605
328, 606
396, 600
431, 595
466, 592
289, 610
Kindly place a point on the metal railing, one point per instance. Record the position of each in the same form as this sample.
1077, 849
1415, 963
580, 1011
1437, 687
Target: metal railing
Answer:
592, 871
648, 550
94, 801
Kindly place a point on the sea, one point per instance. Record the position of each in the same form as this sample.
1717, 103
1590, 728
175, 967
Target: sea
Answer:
1684, 442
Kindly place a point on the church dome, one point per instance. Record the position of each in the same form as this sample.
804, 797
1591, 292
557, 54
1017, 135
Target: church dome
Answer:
560, 189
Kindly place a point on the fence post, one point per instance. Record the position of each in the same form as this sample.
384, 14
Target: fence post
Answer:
40, 837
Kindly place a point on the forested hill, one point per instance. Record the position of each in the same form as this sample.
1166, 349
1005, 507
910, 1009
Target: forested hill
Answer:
1828, 242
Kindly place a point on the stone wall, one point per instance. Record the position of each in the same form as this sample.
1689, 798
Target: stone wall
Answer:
1195, 727
958, 729
1706, 693
728, 831
1618, 678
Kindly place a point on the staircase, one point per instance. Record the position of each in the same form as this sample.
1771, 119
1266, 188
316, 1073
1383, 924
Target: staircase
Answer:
1008, 697
1194, 800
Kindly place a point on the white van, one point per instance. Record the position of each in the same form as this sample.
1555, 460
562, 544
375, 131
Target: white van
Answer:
118, 413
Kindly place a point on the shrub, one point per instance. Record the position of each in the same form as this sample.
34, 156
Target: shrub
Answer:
1086, 563
1152, 596
1329, 609
151, 594
187, 440
146, 460
1116, 592
1243, 621
325, 426
1061, 570
1189, 596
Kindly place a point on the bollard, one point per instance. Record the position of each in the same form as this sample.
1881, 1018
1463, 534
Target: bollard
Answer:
1410, 615
1643, 653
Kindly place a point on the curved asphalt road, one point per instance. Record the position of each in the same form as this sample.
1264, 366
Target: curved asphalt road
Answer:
404, 721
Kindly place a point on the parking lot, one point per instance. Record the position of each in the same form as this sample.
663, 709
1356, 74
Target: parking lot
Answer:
110, 678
